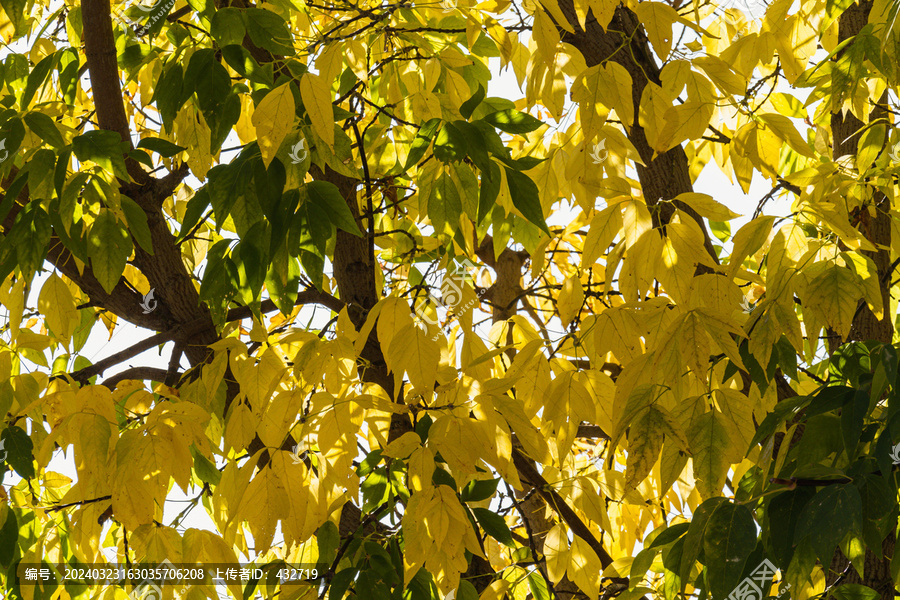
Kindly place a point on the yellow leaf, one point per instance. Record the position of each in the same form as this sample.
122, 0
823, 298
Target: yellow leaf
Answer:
154, 543
605, 226
495, 591
556, 552
834, 294
603, 11
615, 87
585, 568
657, 19
240, 428
784, 129
570, 300
316, 97
13, 299
710, 442
265, 501
192, 131
394, 315
403, 446
721, 74
616, 331
552, 6
694, 344
737, 413
57, 305
636, 221
413, 351
865, 270
683, 122
640, 266
421, 468
706, 206
274, 118
602, 389
592, 111
652, 114
721, 330
546, 35
457, 440
748, 240
142, 477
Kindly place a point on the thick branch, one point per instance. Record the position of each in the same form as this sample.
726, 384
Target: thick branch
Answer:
100, 56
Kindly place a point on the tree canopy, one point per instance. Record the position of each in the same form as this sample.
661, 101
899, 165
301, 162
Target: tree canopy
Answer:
438, 343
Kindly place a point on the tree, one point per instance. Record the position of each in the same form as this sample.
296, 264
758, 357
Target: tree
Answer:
659, 407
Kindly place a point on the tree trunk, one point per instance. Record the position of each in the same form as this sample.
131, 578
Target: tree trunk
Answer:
845, 129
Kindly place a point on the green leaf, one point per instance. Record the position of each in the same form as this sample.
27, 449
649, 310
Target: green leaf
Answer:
169, 94
538, 586
102, 147
784, 511
37, 77
253, 260
328, 540
142, 157
879, 510
450, 144
729, 538
205, 470
641, 564
164, 148
9, 537
311, 228
670, 534
137, 223
854, 591
374, 489
269, 31
196, 206
284, 295
526, 198
45, 128
239, 59
475, 145
494, 525
30, 237
467, 591
444, 205
828, 399
671, 567
853, 415
693, 539
328, 197
787, 357
840, 507
228, 183
492, 104
40, 174
228, 26
15, 10
12, 132
469, 105
216, 282
488, 191
109, 247
17, 448
479, 489
513, 121
522, 164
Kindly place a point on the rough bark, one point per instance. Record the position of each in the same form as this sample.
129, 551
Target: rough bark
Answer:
845, 130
